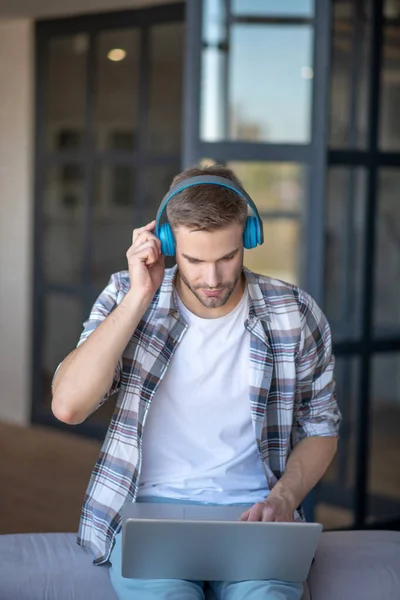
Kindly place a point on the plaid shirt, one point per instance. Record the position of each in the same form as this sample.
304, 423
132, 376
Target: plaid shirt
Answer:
291, 389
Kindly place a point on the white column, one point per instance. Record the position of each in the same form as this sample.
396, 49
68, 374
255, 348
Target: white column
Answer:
16, 217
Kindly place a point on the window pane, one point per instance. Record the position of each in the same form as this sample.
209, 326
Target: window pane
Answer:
335, 495
63, 223
349, 73
62, 326
278, 190
384, 474
117, 89
274, 187
113, 217
166, 76
278, 58
390, 90
278, 256
65, 93
391, 9
157, 182
387, 258
298, 8
345, 217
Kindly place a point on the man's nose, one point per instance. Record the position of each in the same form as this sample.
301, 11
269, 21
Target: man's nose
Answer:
212, 278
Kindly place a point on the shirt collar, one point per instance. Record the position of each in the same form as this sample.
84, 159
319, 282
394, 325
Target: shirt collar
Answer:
164, 302
259, 307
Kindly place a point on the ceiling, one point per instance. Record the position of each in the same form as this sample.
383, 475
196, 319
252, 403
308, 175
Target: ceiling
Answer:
40, 9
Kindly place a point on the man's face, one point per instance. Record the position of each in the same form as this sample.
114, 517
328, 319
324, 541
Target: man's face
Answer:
210, 263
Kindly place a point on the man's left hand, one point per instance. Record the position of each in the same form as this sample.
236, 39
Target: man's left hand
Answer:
273, 508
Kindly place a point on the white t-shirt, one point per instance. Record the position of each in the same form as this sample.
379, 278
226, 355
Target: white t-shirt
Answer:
198, 439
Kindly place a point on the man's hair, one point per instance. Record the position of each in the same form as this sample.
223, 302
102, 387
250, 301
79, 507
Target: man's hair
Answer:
206, 207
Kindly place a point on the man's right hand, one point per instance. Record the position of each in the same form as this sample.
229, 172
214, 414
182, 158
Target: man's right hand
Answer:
87, 373
146, 263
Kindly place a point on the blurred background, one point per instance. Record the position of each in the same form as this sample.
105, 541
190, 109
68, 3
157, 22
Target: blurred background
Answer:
102, 102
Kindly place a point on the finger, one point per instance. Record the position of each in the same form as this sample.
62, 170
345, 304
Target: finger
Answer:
150, 243
143, 231
268, 514
149, 257
149, 248
286, 518
137, 232
146, 236
160, 262
244, 516
255, 513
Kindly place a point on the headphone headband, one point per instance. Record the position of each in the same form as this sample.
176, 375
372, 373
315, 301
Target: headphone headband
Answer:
209, 179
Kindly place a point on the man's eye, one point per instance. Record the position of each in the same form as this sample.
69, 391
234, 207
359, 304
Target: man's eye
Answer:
193, 262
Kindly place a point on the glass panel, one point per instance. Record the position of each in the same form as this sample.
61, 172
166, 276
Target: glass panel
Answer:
278, 58
335, 495
387, 257
349, 73
65, 92
390, 90
116, 93
345, 218
391, 9
63, 223
274, 187
166, 76
278, 191
158, 180
61, 330
113, 222
384, 460
278, 257
298, 8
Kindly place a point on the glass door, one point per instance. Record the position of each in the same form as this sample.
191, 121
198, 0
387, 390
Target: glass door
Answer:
256, 100
362, 276
109, 114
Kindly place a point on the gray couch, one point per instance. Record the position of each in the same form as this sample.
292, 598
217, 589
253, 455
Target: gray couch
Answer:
354, 565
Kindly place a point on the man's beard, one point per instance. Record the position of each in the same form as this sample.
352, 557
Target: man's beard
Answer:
218, 301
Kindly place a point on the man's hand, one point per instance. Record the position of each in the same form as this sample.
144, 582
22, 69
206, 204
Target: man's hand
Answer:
145, 262
273, 508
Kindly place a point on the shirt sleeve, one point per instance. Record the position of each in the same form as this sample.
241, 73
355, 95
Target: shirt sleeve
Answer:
316, 412
104, 305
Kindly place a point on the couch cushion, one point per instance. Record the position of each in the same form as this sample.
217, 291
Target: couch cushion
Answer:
50, 566
348, 565
355, 565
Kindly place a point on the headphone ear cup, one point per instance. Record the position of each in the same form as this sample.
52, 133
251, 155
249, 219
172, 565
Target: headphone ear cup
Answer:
251, 233
167, 240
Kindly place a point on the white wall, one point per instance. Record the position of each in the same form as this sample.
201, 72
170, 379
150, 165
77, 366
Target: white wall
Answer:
16, 217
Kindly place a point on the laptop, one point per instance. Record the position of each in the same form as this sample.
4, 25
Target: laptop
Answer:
208, 543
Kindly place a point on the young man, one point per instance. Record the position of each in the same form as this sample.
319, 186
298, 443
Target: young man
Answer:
225, 381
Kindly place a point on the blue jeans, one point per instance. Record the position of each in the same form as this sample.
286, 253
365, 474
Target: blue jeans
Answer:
180, 589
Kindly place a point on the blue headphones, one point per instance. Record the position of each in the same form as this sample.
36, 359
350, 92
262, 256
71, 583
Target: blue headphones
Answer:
253, 233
